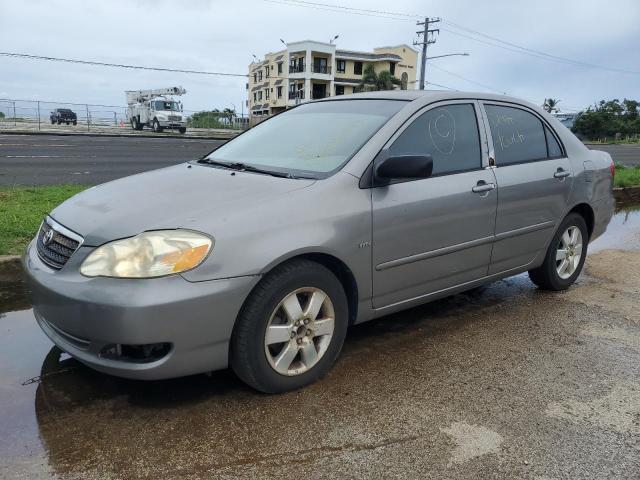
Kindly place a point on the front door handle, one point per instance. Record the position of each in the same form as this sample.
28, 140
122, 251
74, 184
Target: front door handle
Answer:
561, 173
482, 187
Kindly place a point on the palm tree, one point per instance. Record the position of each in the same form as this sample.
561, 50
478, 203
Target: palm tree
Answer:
551, 104
372, 81
229, 113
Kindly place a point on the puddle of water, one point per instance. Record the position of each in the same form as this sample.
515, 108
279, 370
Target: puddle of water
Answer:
622, 233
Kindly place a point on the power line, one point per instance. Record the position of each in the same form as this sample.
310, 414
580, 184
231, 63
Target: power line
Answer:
500, 43
329, 8
118, 65
381, 13
467, 79
538, 53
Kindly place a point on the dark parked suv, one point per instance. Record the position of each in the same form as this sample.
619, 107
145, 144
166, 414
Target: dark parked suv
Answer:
64, 115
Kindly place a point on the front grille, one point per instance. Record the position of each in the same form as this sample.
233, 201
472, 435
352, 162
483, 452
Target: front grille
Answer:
174, 117
55, 248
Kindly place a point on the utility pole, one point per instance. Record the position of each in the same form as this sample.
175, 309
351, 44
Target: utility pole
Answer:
426, 40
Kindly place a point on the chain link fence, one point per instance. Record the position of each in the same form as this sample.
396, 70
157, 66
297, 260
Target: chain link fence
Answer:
40, 116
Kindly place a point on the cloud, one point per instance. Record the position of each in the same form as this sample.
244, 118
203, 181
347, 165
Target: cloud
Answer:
222, 36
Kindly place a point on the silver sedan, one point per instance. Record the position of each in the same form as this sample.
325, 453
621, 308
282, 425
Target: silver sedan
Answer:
260, 255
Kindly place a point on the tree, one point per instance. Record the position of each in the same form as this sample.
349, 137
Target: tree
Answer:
608, 118
229, 114
372, 81
550, 104
1, 115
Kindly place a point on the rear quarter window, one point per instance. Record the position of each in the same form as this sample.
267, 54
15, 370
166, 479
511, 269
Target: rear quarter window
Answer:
518, 136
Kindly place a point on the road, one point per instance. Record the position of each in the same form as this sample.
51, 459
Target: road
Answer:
501, 382
50, 159
627, 155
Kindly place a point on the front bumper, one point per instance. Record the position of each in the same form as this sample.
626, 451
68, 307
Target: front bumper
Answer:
172, 124
83, 316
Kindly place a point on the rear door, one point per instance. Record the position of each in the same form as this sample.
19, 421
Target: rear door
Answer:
534, 179
434, 233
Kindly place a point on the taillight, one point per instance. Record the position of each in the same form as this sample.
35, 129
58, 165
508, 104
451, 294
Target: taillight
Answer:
612, 169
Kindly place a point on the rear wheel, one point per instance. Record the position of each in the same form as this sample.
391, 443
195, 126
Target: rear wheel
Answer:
182, 130
565, 256
291, 329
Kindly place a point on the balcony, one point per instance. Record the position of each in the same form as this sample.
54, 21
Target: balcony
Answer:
325, 69
296, 68
299, 94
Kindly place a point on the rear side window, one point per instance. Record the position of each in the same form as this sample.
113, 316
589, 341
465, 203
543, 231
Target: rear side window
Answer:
518, 136
553, 147
449, 134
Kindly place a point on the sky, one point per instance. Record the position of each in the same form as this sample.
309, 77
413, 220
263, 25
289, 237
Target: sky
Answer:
214, 35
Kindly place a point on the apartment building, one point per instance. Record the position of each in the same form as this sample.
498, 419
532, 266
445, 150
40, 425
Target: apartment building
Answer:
309, 70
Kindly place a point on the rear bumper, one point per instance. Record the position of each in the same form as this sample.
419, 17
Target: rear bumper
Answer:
84, 316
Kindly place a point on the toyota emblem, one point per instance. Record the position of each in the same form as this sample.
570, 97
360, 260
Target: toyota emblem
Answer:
48, 237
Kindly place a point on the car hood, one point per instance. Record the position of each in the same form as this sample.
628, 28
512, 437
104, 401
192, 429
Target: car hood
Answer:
193, 196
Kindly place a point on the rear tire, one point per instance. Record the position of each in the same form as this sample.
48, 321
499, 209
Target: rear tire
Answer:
259, 360
182, 130
565, 256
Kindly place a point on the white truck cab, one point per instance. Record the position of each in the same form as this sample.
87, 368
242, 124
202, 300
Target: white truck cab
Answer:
156, 109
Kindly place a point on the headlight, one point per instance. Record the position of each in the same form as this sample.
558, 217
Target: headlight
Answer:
150, 254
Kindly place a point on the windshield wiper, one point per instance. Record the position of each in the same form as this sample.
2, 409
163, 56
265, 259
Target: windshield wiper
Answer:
243, 167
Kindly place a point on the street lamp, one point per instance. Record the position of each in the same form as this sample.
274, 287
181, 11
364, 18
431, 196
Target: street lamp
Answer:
283, 42
334, 38
423, 78
465, 54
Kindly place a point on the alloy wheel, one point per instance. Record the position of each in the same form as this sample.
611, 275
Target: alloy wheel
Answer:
569, 252
299, 331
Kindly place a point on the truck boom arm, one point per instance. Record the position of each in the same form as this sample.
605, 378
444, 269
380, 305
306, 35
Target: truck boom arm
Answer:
137, 96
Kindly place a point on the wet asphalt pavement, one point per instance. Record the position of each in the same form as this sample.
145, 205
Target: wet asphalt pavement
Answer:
504, 381
91, 160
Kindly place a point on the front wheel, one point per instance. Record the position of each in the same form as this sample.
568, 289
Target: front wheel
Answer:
156, 126
182, 130
291, 329
565, 256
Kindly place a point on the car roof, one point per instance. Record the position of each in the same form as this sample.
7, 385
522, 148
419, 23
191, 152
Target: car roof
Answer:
430, 96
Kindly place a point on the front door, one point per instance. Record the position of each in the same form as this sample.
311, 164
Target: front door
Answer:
435, 233
534, 178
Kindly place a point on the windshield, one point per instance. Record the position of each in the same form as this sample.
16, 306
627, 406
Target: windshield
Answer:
165, 105
315, 138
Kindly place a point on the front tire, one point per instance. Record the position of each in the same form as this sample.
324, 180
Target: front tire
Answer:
156, 126
291, 328
565, 256
182, 130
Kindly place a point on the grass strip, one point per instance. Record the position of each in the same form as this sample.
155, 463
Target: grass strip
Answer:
22, 210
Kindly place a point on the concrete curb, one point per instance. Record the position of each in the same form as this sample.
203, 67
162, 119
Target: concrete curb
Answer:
10, 268
627, 195
128, 135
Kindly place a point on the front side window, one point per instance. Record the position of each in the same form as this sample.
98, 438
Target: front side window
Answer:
518, 136
449, 134
313, 139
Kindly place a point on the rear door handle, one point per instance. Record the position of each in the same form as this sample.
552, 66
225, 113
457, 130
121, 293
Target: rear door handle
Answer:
560, 173
483, 187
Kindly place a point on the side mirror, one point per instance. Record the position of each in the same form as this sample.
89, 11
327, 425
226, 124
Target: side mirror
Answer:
404, 166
